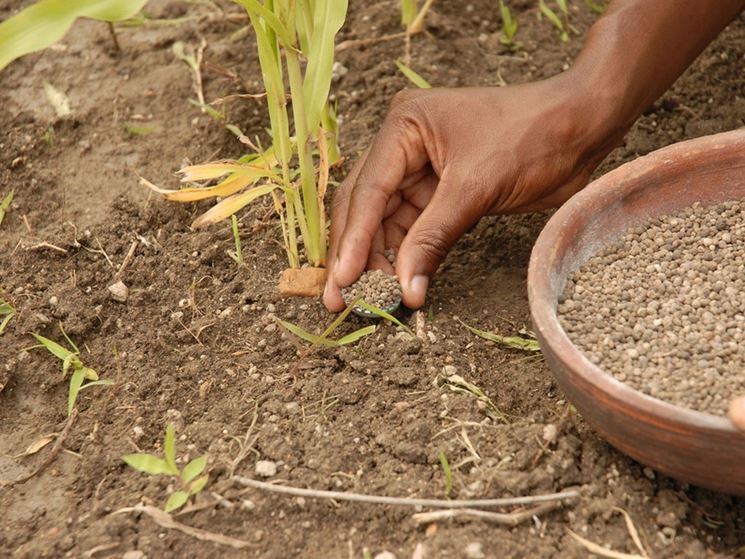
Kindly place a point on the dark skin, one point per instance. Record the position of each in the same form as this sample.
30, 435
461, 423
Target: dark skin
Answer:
429, 175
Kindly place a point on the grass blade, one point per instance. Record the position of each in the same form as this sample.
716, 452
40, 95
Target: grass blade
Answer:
328, 17
457, 383
46, 22
307, 336
356, 335
228, 187
514, 342
53, 347
413, 77
448, 473
231, 205
382, 314
76, 381
6, 310
408, 12
5, 204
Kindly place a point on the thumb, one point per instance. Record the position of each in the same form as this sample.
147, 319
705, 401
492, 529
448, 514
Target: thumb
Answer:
736, 412
446, 218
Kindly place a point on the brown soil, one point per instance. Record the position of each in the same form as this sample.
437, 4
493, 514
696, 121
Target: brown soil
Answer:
195, 342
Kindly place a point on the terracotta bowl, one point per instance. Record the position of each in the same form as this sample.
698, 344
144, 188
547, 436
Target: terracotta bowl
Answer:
691, 446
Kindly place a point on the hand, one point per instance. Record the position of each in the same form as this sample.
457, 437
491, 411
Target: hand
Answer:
737, 412
446, 157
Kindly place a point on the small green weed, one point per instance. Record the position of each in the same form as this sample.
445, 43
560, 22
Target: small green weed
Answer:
188, 478
448, 473
413, 77
509, 28
238, 254
514, 342
71, 360
555, 20
5, 204
6, 313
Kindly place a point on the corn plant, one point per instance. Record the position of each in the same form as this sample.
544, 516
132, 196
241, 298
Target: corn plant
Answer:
44, 23
509, 28
295, 41
189, 479
71, 361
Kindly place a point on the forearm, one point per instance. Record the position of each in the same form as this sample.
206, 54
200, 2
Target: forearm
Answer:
635, 52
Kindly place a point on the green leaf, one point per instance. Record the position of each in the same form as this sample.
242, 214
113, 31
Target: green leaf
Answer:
198, 484
384, 315
169, 448
408, 12
69, 341
6, 310
76, 381
193, 469
514, 342
448, 473
5, 204
176, 500
53, 347
102, 382
356, 335
307, 336
270, 19
413, 77
563, 6
46, 22
148, 464
554, 19
328, 17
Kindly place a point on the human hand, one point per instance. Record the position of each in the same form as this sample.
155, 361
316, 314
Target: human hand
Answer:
446, 157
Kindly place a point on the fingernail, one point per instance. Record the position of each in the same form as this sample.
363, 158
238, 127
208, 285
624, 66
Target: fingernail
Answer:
418, 286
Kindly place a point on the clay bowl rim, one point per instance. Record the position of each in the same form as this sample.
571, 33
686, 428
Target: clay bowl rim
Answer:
605, 191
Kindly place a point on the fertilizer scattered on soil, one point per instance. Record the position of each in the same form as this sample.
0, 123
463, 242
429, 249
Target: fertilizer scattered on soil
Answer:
663, 309
376, 288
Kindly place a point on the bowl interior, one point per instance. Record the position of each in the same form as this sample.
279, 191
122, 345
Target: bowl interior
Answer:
708, 170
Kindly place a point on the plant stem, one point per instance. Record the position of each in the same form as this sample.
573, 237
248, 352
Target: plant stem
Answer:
314, 248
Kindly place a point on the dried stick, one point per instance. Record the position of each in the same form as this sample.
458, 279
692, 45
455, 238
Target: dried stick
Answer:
166, 521
511, 519
127, 259
50, 457
403, 501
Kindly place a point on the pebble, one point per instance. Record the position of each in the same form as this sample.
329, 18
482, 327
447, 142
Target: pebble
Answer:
53, 301
474, 550
385, 555
663, 309
266, 468
119, 292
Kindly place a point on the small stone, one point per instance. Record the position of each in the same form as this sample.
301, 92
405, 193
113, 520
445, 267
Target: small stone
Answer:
450, 370
385, 555
134, 554
266, 468
648, 472
137, 432
474, 550
119, 292
550, 433
271, 308
53, 301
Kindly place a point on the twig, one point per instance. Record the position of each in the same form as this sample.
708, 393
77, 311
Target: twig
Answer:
45, 244
403, 501
600, 550
101, 251
99, 548
114, 38
166, 521
127, 259
50, 457
511, 519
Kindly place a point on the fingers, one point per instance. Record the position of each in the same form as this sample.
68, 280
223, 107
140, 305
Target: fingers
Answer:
445, 219
332, 295
736, 412
396, 153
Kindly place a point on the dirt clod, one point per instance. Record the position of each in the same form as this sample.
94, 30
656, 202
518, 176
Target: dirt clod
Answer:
663, 309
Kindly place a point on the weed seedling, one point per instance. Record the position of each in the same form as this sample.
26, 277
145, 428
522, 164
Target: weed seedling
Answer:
448, 473
189, 481
555, 20
509, 28
6, 313
597, 7
413, 77
514, 342
237, 255
71, 361
5, 205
